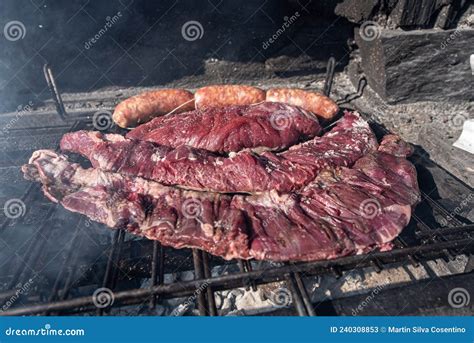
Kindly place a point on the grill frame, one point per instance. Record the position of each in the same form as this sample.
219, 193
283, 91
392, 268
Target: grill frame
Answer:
432, 242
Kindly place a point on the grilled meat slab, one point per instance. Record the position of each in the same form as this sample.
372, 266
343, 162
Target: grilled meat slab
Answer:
198, 169
342, 211
260, 127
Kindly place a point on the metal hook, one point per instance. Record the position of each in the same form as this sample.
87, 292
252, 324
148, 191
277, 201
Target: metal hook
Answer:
58, 101
329, 76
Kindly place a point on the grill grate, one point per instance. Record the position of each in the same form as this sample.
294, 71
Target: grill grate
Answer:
423, 240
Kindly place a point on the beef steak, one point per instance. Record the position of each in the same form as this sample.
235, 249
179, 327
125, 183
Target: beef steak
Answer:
264, 126
342, 211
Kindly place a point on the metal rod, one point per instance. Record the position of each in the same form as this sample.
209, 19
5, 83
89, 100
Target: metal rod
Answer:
296, 296
157, 266
71, 272
58, 101
248, 268
304, 294
199, 275
329, 76
109, 270
425, 228
110, 260
336, 271
115, 269
413, 260
211, 301
241, 265
441, 209
360, 91
377, 265
399, 243
447, 231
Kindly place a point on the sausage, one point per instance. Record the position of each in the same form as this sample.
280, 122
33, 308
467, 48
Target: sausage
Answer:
314, 102
143, 107
227, 95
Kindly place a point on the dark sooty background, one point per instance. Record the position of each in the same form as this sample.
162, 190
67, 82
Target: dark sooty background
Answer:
145, 47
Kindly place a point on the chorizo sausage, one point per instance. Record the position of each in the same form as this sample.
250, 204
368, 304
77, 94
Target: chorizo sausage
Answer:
227, 95
143, 107
315, 102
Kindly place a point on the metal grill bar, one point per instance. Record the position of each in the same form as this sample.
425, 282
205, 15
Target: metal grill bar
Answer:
211, 301
199, 275
242, 269
157, 269
248, 268
304, 295
441, 209
296, 296
466, 229
428, 252
110, 271
71, 272
115, 269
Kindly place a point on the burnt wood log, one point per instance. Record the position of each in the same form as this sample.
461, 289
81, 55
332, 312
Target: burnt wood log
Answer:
417, 65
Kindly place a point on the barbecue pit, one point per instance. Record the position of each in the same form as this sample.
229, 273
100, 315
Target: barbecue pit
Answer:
59, 263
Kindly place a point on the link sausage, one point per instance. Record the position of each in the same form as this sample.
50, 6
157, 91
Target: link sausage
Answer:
142, 107
228, 95
314, 102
